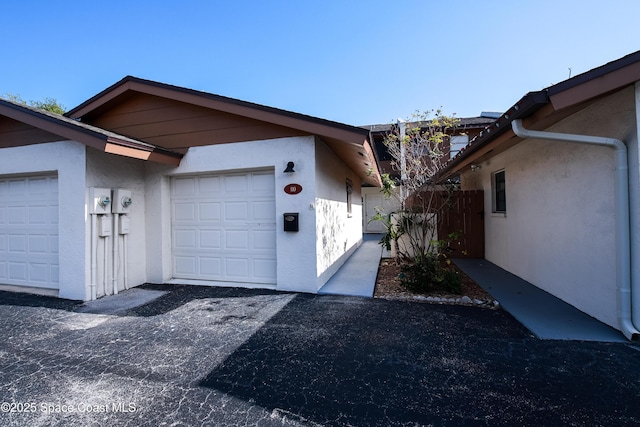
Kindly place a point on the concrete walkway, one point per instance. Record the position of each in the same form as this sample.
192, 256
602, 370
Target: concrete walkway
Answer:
543, 314
357, 276
121, 302
546, 316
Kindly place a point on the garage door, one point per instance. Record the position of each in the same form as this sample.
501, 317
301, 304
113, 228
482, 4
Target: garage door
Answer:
29, 231
223, 227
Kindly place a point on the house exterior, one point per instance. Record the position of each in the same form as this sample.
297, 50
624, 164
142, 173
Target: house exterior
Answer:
466, 129
558, 212
373, 200
148, 182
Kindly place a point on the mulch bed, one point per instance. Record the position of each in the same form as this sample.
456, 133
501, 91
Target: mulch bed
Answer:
388, 287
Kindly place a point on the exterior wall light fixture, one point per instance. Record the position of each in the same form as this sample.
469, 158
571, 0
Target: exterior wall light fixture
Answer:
289, 168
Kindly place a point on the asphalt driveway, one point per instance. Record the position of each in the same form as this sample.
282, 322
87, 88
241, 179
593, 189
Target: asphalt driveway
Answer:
215, 357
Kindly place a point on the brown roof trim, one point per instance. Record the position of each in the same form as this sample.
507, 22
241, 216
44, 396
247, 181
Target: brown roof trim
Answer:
286, 118
563, 96
329, 131
464, 123
599, 81
527, 105
83, 133
600, 71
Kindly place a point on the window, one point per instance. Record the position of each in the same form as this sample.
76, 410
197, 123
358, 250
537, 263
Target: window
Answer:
458, 142
349, 192
499, 192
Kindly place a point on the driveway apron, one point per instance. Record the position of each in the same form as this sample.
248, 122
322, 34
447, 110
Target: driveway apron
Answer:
200, 356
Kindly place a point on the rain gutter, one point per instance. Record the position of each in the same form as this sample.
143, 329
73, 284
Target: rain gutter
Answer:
622, 224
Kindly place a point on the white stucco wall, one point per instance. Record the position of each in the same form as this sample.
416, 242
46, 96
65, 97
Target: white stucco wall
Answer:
305, 259
338, 233
558, 231
296, 251
67, 159
111, 171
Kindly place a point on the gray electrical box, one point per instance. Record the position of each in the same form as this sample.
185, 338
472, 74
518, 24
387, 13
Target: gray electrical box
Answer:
291, 221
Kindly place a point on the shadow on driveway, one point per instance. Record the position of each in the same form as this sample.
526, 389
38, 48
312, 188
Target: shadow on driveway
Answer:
202, 356
346, 361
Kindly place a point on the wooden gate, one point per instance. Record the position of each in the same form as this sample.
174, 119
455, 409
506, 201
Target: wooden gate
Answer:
462, 215
460, 219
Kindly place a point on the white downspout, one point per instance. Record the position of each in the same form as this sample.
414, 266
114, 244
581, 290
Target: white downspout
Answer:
105, 260
94, 256
124, 261
623, 237
115, 263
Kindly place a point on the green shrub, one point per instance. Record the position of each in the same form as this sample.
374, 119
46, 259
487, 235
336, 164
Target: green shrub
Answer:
427, 274
452, 282
420, 276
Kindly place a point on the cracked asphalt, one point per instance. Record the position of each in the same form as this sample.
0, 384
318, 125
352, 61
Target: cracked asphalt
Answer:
201, 356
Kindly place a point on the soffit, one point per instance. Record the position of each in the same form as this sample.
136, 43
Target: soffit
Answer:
177, 118
22, 125
177, 125
311, 125
14, 133
541, 119
544, 108
597, 82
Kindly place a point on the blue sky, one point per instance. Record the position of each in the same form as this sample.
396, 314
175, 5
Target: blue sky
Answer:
356, 62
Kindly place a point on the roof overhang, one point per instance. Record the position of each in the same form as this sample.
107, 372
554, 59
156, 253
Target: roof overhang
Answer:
68, 129
350, 143
541, 109
597, 82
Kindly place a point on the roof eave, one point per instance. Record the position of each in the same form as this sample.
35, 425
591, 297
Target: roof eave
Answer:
325, 129
560, 98
602, 80
313, 125
85, 135
372, 174
527, 105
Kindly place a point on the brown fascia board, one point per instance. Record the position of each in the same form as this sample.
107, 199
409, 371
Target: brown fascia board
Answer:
99, 99
562, 98
526, 106
312, 125
566, 95
51, 124
465, 123
91, 136
599, 81
374, 152
375, 177
315, 126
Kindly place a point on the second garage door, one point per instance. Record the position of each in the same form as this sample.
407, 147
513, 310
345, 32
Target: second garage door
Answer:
223, 227
29, 231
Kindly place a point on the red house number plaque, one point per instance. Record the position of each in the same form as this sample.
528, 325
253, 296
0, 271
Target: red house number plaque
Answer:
292, 188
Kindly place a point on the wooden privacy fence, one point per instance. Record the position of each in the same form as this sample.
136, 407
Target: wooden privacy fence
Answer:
460, 213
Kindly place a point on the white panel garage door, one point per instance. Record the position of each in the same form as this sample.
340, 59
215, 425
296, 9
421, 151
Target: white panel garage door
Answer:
224, 227
29, 231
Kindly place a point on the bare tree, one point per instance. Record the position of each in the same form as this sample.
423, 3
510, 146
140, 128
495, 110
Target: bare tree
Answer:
418, 147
